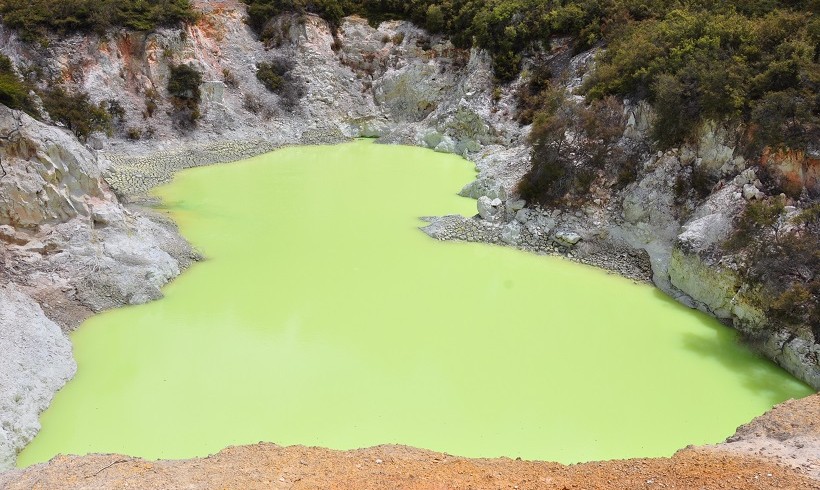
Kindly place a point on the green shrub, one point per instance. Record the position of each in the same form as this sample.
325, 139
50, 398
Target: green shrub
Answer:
14, 92
267, 74
76, 112
277, 76
34, 18
183, 85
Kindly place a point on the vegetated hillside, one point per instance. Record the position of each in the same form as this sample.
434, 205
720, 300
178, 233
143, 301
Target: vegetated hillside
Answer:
754, 61
33, 19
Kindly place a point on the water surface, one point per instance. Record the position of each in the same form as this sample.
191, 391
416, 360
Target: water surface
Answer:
324, 317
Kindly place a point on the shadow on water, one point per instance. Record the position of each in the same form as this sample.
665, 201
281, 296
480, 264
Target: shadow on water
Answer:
721, 343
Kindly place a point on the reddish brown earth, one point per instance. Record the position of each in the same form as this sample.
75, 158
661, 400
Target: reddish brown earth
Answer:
794, 425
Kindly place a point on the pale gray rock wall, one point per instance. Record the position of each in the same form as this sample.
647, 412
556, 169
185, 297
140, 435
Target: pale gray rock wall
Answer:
36, 361
41, 181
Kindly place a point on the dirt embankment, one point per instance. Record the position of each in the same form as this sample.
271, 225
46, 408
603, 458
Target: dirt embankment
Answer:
742, 463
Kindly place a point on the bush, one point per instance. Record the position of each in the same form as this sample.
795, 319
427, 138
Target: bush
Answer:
572, 144
116, 112
277, 76
759, 218
267, 74
552, 173
14, 92
76, 112
229, 78
183, 86
133, 134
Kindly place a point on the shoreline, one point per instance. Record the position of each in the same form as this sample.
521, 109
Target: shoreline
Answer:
133, 177
263, 448
774, 451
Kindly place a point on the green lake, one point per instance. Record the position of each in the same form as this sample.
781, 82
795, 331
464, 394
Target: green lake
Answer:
323, 316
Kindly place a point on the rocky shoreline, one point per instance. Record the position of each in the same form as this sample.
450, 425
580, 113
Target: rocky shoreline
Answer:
71, 246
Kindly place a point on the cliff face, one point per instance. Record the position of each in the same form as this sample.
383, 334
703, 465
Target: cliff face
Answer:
396, 82
71, 246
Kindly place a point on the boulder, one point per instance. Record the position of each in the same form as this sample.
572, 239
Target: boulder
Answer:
490, 209
703, 232
566, 238
751, 192
511, 233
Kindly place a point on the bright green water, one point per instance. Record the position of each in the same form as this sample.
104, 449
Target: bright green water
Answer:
324, 317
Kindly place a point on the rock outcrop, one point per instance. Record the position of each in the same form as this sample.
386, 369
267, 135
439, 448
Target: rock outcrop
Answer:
68, 248
36, 363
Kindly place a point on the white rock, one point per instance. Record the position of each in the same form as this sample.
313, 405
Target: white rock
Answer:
703, 232
566, 238
36, 362
489, 209
751, 192
511, 233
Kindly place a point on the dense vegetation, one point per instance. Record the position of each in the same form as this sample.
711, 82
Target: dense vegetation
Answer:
723, 63
34, 18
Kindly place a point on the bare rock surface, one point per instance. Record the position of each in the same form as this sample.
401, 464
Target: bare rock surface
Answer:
36, 362
789, 433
